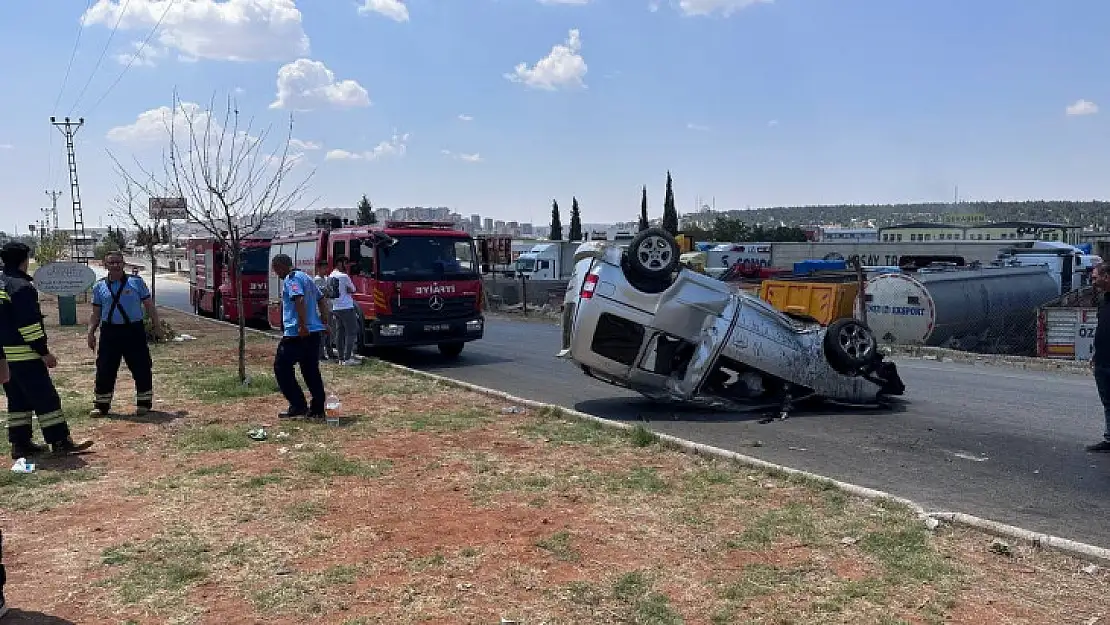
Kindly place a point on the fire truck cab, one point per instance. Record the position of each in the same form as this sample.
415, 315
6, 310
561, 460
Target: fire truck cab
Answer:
417, 283
210, 284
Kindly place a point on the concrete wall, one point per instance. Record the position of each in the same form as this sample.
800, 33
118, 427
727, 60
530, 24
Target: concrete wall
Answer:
784, 255
539, 292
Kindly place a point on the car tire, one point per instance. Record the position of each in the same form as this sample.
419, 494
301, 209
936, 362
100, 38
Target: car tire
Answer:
653, 255
850, 346
451, 350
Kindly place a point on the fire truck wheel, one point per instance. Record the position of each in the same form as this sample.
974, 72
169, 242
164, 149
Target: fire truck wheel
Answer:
451, 350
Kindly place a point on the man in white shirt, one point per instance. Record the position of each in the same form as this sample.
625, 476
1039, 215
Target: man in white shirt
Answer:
344, 318
321, 280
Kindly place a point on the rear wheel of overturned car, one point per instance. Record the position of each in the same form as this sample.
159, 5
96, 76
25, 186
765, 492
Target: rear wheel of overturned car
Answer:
451, 350
850, 346
653, 254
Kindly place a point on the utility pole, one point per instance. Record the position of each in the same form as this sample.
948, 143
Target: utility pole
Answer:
54, 205
69, 128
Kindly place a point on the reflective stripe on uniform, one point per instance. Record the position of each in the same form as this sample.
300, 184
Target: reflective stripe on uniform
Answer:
17, 419
4, 297
145, 396
103, 398
51, 418
20, 353
32, 333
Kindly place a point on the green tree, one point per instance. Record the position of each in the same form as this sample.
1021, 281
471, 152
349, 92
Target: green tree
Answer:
644, 223
556, 223
366, 214
575, 221
670, 213
51, 248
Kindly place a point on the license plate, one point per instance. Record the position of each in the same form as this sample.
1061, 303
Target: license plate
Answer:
437, 327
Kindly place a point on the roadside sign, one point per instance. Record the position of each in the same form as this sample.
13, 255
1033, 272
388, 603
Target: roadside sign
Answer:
1085, 334
64, 279
168, 208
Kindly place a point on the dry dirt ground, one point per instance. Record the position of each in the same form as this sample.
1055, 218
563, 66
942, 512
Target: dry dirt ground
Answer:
433, 505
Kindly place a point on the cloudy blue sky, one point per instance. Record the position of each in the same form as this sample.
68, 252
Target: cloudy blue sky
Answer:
497, 106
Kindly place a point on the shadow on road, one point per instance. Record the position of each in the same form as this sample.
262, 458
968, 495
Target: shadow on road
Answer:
637, 410
153, 417
429, 359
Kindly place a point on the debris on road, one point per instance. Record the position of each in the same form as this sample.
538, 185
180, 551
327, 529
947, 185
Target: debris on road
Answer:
1001, 548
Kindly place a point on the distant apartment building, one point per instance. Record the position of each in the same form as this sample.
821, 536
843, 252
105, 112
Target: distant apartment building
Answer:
526, 230
487, 225
998, 231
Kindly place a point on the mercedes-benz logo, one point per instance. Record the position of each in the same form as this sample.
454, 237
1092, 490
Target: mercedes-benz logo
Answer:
435, 302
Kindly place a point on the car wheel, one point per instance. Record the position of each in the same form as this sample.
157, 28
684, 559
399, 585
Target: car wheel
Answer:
653, 254
850, 346
451, 350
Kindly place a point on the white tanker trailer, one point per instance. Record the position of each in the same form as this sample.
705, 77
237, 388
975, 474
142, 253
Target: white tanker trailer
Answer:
970, 308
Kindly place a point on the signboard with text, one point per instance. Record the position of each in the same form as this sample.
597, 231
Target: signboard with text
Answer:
64, 279
168, 208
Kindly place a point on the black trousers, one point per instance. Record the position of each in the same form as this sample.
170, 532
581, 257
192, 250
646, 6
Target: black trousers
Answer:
31, 393
305, 353
126, 342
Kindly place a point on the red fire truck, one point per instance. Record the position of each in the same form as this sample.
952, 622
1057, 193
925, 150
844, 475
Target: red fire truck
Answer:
210, 285
418, 282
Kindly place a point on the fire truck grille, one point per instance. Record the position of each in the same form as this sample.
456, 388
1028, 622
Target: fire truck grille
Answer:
422, 308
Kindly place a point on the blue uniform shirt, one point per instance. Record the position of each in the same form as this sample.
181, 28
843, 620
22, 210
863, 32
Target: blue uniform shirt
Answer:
134, 293
294, 284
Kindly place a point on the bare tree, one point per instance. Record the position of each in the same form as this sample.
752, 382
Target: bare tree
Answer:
231, 187
134, 210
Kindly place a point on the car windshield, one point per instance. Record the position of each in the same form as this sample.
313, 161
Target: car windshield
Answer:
256, 260
525, 264
428, 257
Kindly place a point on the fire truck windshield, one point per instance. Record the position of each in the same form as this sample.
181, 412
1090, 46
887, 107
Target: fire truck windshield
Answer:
425, 257
256, 260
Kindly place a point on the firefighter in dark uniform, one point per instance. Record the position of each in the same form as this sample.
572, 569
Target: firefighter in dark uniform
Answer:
118, 303
30, 390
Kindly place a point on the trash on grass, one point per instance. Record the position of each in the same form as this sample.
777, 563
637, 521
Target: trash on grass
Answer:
257, 434
22, 466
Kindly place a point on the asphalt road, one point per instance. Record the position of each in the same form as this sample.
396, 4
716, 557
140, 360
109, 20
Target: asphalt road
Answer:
999, 443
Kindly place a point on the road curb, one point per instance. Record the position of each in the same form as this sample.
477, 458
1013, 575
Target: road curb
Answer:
1036, 540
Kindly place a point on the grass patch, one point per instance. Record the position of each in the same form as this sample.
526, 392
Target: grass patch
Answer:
795, 520
558, 545
555, 427
305, 511
638, 479
219, 384
757, 580
158, 571
212, 438
906, 554
333, 464
452, 421
640, 436
642, 604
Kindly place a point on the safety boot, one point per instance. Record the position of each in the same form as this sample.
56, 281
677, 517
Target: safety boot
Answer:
27, 450
67, 446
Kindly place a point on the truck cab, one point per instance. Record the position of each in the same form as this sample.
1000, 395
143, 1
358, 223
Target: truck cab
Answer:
417, 283
548, 261
1069, 266
254, 267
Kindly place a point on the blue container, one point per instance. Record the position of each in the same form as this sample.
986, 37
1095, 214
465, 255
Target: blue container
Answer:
807, 267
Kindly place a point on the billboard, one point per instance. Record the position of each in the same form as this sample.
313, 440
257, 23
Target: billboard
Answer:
168, 208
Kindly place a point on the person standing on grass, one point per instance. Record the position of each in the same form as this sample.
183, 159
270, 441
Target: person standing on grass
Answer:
117, 310
344, 318
1100, 359
326, 351
302, 330
29, 388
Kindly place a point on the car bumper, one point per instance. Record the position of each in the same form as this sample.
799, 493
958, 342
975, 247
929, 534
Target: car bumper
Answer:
397, 333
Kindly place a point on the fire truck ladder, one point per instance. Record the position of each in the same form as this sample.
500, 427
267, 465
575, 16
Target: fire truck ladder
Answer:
79, 243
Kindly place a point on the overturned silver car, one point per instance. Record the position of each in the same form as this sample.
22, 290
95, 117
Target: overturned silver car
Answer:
637, 319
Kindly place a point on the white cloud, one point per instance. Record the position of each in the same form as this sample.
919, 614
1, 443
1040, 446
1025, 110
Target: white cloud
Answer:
142, 55
305, 84
773, 123
6, 146
563, 67
463, 156
1082, 107
151, 127
724, 7
397, 145
465, 118
227, 30
393, 9
693, 126
653, 6
298, 144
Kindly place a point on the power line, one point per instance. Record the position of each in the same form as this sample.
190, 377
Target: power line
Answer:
135, 56
72, 55
103, 52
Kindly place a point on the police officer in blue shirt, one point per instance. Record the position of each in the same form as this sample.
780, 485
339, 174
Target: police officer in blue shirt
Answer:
303, 329
118, 304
